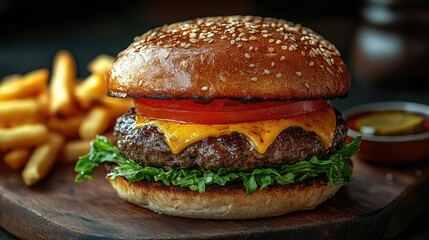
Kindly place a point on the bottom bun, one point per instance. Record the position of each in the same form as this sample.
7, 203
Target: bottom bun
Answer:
229, 202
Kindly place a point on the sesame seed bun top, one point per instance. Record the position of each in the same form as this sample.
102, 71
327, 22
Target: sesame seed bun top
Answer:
236, 57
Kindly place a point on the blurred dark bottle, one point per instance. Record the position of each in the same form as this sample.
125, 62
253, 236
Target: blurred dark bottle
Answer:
391, 46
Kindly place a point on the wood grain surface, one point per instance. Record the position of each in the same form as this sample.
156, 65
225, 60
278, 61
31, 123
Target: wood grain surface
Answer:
378, 204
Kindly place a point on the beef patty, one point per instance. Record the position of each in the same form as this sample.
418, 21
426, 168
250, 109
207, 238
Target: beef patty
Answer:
147, 146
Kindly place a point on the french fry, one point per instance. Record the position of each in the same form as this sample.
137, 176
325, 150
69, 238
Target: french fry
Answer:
23, 136
101, 64
43, 101
37, 119
42, 159
42, 122
29, 85
92, 88
117, 106
97, 121
18, 109
17, 158
62, 84
69, 127
74, 149
10, 78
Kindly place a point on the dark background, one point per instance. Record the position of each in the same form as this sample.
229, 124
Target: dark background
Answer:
385, 43
37, 29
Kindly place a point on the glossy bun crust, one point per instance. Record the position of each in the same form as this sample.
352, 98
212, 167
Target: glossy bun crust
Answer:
229, 202
236, 57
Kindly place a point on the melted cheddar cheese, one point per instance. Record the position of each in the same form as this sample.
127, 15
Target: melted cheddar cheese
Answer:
260, 134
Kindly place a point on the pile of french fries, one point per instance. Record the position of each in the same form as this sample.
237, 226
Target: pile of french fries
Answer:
51, 116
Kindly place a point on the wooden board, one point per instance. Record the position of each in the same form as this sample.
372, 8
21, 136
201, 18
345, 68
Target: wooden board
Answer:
379, 203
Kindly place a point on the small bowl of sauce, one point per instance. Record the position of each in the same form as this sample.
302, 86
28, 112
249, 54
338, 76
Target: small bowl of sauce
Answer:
392, 132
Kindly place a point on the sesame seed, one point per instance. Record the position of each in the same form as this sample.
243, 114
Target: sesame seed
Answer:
313, 53
222, 78
167, 55
185, 64
254, 79
266, 71
237, 29
273, 64
278, 75
247, 55
252, 65
307, 85
204, 88
293, 47
299, 74
312, 42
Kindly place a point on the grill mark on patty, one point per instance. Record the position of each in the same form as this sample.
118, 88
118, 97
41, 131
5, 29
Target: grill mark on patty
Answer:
147, 146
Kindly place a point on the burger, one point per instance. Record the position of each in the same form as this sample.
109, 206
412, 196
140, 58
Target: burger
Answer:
232, 120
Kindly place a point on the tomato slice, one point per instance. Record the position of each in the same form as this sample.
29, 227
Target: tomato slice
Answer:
221, 111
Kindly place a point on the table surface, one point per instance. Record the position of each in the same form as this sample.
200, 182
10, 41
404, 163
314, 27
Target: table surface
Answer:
29, 46
372, 205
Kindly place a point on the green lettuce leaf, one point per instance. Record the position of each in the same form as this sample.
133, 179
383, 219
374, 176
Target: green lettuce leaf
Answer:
336, 168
